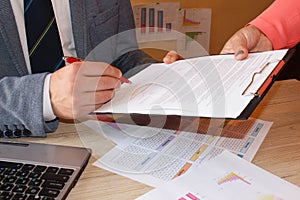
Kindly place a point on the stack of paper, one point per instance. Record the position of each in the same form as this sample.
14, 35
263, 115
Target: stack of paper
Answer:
154, 156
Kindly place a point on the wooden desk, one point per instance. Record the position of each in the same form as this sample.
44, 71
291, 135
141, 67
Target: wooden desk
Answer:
279, 153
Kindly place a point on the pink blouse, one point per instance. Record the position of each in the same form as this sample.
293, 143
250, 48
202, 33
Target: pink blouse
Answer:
280, 23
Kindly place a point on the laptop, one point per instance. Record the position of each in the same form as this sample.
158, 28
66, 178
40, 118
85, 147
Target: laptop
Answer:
39, 171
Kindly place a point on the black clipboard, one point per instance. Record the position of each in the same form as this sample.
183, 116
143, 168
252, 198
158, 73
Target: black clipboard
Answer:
258, 96
265, 87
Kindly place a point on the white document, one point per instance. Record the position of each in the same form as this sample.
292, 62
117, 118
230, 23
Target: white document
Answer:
226, 177
209, 86
154, 156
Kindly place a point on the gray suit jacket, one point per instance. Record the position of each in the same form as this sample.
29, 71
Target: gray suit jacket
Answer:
93, 21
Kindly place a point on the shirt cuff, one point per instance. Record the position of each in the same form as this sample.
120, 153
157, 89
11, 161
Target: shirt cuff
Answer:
47, 107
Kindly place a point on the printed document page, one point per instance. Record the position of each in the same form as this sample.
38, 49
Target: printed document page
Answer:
154, 156
209, 86
226, 177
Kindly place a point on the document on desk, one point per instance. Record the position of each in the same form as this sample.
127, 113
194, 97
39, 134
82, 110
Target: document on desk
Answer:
210, 86
154, 156
226, 177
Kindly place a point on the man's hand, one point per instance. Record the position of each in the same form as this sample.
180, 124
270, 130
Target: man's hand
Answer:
247, 39
81, 87
171, 57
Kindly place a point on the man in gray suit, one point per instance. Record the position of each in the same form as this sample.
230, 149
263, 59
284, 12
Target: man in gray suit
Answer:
31, 104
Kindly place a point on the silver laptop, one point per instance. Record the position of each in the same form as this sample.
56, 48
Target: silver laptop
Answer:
39, 171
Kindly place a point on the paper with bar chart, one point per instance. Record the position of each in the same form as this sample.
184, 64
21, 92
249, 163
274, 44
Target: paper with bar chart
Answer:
154, 156
167, 26
226, 177
156, 21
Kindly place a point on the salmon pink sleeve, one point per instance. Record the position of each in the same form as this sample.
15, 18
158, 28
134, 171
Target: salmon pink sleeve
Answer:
280, 22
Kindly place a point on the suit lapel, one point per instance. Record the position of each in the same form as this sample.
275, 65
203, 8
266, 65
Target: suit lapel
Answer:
78, 18
11, 38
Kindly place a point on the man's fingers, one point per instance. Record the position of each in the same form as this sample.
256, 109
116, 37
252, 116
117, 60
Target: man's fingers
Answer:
236, 45
171, 57
103, 117
79, 88
101, 97
239, 45
241, 53
98, 69
88, 84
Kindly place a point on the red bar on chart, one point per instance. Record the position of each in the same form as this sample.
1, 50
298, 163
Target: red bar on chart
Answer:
151, 20
160, 20
143, 20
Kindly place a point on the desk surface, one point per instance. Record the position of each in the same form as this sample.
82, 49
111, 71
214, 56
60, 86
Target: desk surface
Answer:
279, 153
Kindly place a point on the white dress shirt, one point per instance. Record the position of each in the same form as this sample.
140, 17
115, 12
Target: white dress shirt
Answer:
63, 19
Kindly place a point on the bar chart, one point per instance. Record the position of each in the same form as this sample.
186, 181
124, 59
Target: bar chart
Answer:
232, 177
156, 18
167, 26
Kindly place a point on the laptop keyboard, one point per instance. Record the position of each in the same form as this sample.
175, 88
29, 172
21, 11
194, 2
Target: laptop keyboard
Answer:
19, 181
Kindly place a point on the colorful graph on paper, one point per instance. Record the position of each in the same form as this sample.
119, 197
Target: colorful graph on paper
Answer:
226, 177
190, 18
165, 23
190, 21
232, 177
196, 25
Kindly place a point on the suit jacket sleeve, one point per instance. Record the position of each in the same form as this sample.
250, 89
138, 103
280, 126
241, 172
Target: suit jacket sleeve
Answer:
21, 105
281, 23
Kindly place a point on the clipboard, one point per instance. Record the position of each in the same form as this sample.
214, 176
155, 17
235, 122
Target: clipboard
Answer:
265, 87
132, 99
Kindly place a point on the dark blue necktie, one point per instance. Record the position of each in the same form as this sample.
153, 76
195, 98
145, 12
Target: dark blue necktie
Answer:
45, 51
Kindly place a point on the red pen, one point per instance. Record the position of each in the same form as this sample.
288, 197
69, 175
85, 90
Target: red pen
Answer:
70, 59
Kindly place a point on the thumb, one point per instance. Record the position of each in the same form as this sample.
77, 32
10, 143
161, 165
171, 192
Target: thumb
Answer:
241, 53
239, 46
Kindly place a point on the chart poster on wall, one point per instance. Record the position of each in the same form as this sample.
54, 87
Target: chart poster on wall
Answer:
168, 22
196, 25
